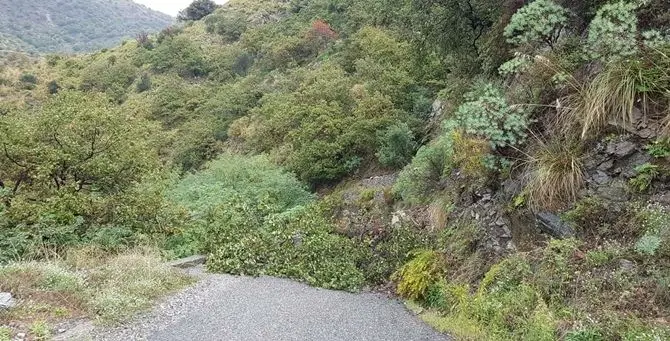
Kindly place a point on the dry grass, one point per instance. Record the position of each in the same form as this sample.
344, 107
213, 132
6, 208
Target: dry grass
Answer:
555, 174
87, 283
612, 96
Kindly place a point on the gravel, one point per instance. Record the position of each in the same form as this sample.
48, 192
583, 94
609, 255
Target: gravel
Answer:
223, 307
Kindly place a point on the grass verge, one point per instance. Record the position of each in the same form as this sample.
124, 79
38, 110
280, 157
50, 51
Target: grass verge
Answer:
84, 284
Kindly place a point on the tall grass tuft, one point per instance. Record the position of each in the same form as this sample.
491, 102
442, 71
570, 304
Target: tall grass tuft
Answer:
613, 94
555, 174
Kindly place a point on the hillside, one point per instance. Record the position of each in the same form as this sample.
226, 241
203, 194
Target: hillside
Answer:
73, 25
504, 165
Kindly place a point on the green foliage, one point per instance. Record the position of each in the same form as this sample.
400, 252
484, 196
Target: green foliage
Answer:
296, 244
648, 245
487, 114
197, 10
28, 78
421, 177
252, 178
70, 168
659, 149
613, 32
144, 84
646, 173
53, 87
179, 55
584, 335
227, 23
418, 275
540, 22
40, 330
397, 146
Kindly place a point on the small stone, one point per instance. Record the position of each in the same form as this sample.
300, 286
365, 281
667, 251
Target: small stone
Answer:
6, 301
21, 335
646, 133
626, 265
297, 239
500, 221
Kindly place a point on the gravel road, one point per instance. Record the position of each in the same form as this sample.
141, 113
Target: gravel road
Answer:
222, 307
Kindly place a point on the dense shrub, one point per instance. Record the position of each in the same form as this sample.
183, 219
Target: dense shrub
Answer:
421, 177
487, 114
397, 146
296, 244
540, 22
252, 178
418, 275
227, 23
613, 32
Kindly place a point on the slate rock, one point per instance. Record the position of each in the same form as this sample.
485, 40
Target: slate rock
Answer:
616, 191
554, 226
621, 149
605, 166
601, 178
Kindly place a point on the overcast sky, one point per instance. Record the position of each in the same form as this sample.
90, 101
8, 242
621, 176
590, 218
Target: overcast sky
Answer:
171, 7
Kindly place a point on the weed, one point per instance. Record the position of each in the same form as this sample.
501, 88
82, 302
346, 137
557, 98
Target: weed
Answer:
613, 93
40, 331
5, 334
367, 195
415, 277
659, 149
648, 245
646, 174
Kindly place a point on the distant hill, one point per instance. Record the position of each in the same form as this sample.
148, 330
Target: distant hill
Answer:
73, 25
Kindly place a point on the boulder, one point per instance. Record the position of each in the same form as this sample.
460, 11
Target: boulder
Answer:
554, 226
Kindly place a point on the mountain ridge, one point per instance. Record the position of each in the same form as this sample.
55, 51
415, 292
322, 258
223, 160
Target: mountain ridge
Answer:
51, 26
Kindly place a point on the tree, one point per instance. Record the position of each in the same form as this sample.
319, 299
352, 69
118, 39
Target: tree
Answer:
540, 22
78, 142
197, 10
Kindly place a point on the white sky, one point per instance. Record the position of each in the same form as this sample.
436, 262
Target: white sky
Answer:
171, 7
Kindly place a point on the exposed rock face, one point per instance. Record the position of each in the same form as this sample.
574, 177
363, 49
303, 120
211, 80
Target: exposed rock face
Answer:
497, 233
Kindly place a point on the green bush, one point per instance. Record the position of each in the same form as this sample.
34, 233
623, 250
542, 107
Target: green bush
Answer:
540, 22
28, 78
418, 275
421, 177
227, 23
397, 146
487, 114
197, 10
613, 32
252, 178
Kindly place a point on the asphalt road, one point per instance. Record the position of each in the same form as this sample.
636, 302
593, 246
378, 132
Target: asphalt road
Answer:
229, 308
